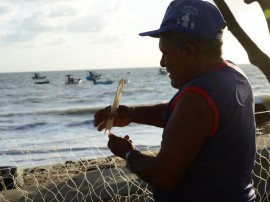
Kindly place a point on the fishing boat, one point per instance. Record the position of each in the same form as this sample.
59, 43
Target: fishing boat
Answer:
71, 80
42, 82
92, 75
104, 81
38, 76
163, 71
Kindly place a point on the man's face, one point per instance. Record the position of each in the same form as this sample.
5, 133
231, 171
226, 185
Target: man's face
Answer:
172, 59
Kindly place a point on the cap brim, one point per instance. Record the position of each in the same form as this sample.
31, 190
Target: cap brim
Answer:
154, 33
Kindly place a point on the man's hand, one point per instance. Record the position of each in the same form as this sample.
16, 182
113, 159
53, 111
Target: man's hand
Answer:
119, 146
122, 117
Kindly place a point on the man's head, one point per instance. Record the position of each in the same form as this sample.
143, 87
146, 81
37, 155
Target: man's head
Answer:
191, 17
187, 56
190, 39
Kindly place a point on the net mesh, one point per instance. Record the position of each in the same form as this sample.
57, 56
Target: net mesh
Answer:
106, 178
99, 179
261, 172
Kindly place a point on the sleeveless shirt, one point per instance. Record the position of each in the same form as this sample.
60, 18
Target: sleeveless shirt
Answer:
222, 169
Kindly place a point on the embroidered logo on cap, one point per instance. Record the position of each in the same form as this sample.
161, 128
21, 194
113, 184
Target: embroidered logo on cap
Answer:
185, 20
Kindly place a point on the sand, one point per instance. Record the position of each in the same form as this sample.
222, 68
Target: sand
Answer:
102, 179
107, 179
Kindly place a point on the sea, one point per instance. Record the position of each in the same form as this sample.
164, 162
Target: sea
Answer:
43, 124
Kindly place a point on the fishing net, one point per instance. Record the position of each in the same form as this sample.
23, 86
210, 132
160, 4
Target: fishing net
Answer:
100, 179
105, 178
261, 172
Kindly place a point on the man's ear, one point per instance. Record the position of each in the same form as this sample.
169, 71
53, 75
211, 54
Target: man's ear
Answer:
191, 52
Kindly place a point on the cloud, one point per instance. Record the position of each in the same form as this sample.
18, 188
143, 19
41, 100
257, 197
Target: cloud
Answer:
62, 22
62, 11
40, 23
108, 38
47, 21
59, 41
6, 11
90, 23
95, 21
17, 37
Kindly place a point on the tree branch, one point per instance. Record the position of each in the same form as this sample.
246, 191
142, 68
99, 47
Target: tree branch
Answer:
256, 56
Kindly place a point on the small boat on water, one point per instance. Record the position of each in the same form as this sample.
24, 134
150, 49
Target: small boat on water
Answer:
42, 82
71, 80
163, 71
38, 76
103, 81
92, 75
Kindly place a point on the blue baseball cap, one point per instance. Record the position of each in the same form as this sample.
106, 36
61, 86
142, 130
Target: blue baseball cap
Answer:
191, 17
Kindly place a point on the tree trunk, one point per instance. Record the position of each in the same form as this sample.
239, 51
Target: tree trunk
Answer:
256, 56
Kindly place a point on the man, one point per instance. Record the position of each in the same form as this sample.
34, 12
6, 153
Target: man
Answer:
208, 143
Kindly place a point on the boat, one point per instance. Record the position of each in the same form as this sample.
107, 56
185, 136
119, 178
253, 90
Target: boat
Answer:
127, 77
92, 75
42, 82
71, 80
103, 81
127, 81
163, 71
37, 76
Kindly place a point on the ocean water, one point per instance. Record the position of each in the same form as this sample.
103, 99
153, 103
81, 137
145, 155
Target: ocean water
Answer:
52, 123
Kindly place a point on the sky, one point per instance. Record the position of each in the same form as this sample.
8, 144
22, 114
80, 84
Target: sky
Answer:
47, 35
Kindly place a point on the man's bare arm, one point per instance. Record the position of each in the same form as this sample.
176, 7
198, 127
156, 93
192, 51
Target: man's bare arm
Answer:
149, 115
185, 133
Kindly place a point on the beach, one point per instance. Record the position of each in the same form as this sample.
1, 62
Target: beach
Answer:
101, 179
47, 132
108, 179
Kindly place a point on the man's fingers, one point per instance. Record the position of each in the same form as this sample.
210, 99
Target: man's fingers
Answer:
126, 137
101, 115
101, 126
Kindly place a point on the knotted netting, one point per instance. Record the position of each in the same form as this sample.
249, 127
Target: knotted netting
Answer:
106, 178
100, 179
